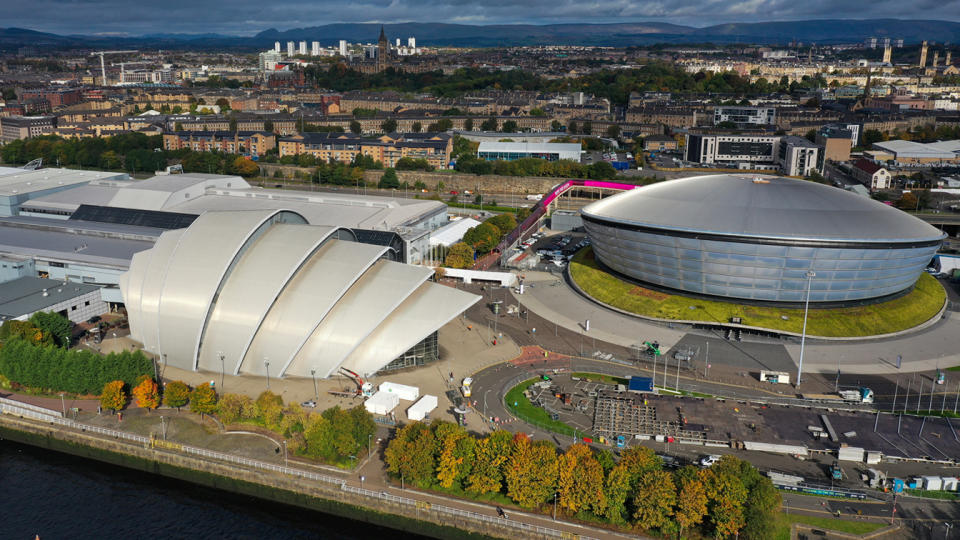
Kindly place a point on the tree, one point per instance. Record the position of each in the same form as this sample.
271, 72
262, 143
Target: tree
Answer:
691, 503
531, 471
555, 125
355, 127
417, 127
178, 126
490, 455
245, 167
224, 104
601, 170
455, 454
389, 180
509, 126
389, 125
504, 223
483, 237
613, 131
571, 127
113, 397
147, 394
616, 491
233, 407
55, 324
203, 400
459, 256
907, 201
489, 124
586, 128
725, 498
268, 126
653, 499
409, 454
443, 124
468, 124
871, 136
176, 394
580, 480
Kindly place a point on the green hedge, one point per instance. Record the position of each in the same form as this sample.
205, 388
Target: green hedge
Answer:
75, 371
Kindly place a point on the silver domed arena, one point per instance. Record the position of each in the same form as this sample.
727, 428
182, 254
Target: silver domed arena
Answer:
760, 238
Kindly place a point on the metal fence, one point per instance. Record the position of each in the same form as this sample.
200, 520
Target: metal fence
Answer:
8, 407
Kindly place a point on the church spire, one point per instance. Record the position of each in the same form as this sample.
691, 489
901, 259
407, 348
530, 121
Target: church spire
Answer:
383, 36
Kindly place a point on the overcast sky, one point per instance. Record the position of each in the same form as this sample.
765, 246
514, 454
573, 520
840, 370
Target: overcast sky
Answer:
246, 17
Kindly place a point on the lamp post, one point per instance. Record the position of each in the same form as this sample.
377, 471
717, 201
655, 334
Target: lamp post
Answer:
220, 353
285, 462
63, 405
803, 336
316, 393
266, 364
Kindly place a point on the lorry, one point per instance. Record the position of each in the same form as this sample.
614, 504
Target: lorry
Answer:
858, 395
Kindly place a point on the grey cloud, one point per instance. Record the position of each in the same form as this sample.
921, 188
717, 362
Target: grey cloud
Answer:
244, 17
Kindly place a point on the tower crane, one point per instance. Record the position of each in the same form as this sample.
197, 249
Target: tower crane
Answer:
103, 67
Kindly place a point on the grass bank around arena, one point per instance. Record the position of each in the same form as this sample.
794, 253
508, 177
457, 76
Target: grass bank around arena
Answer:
915, 308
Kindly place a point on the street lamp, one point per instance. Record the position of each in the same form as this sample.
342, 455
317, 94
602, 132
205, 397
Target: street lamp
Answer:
220, 353
369, 449
266, 364
63, 405
313, 373
803, 336
554, 505
285, 462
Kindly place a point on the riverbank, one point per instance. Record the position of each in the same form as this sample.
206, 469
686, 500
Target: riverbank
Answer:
278, 484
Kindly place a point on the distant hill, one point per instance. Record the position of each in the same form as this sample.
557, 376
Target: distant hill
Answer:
440, 34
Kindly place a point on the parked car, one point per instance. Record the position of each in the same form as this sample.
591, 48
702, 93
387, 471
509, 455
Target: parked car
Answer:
709, 461
311, 403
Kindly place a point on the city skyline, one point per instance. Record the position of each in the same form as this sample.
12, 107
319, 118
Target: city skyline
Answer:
115, 17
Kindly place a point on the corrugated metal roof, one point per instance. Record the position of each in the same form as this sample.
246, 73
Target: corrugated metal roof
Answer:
761, 206
490, 146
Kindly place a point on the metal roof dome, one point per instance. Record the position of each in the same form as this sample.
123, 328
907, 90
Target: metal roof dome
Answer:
761, 206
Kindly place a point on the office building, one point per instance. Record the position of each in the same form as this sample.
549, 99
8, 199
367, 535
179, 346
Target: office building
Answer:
837, 141
268, 60
510, 151
760, 238
21, 298
744, 151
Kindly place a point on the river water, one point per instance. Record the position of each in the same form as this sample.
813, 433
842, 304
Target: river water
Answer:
56, 496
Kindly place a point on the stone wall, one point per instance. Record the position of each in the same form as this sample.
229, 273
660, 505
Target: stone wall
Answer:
520, 185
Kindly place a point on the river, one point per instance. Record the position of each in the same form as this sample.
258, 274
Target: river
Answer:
56, 496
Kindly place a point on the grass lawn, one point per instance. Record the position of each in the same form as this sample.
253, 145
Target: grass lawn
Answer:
900, 314
531, 413
942, 495
954, 368
605, 379
784, 521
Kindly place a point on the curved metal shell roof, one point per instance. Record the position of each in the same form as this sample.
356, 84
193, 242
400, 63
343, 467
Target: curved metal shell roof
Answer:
260, 285
763, 207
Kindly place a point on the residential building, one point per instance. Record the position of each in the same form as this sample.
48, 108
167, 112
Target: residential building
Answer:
232, 142
435, 148
797, 156
24, 127
742, 151
870, 174
741, 115
836, 142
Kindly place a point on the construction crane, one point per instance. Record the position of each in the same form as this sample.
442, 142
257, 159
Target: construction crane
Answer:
364, 389
103, 67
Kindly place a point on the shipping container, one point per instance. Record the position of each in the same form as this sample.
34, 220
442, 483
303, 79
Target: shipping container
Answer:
409, 393
423, 407
381, 403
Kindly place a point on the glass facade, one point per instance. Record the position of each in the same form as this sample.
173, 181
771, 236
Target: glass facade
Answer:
757, 271
425, 352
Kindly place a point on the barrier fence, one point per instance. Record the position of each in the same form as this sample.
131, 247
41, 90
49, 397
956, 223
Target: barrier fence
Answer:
53, 417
